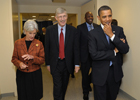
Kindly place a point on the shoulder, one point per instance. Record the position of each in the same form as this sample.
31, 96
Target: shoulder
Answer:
19, 41
83, 24
95, 25
70, 27
116, 27
37, 41
51, 26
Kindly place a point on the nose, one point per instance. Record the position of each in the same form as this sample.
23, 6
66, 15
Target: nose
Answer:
107, 18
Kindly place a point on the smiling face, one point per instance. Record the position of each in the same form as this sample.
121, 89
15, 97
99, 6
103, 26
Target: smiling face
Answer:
30, 35
105, 17
61, 18
89, 17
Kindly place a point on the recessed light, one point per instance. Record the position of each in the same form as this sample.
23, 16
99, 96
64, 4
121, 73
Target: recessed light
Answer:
52, 16
33, 16
49, 19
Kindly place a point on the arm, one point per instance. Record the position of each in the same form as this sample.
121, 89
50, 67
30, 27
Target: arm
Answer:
15, 57
122, 46
95, 53
47, 47
76, 50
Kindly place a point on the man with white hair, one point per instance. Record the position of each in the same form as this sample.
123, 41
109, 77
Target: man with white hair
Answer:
61, 52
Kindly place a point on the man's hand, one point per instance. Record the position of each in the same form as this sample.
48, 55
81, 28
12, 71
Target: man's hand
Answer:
108, 30
122, 39
48, 67
77, 69
27, 56
116, 50
22, 65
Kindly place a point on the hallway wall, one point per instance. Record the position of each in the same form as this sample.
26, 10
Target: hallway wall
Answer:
127, 13
50, 9
90, 6
7, 71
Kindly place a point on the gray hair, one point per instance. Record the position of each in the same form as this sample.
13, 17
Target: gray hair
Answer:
60, 10
30, 25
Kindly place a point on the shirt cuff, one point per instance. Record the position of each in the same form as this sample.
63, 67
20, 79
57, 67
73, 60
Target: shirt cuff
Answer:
112, 38
77, 65
114, 53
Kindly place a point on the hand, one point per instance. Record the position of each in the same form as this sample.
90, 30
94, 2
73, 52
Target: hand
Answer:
22, 65
108, 30
48, 67
122, 39
116, 50
27, 56
77, 69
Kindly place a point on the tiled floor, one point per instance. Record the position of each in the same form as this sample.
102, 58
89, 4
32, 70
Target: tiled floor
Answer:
74, 91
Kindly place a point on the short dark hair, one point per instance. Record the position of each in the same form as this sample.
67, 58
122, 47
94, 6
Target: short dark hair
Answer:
114, 22
103, 8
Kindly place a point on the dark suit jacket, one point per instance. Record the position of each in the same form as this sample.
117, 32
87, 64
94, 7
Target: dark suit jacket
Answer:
52, 47
36, 49
102, 53
83, 37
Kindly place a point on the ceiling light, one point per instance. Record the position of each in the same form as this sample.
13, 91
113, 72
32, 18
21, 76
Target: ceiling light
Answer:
49, 19
33, 16
52, 16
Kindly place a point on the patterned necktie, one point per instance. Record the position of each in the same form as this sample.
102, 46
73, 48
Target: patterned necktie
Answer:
107, 37
90, 27
61, 45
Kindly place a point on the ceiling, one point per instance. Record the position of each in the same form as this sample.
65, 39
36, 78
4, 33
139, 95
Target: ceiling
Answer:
41, 16
50, 3
47, 16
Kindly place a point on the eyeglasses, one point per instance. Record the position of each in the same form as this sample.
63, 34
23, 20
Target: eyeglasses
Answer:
60, 17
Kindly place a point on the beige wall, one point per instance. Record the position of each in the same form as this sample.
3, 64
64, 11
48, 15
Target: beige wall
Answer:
127, 13
50, 9
72, 20
15, 19
90, 6
7, 72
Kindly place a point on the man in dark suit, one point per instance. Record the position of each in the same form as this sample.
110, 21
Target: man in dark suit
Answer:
83, 31
61, 52
107, 44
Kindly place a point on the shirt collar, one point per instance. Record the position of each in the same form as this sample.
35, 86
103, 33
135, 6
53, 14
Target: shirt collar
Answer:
89, 24
59, 27
102, 26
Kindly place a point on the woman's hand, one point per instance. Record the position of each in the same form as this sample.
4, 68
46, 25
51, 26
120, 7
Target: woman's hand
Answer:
22, 65
27, 56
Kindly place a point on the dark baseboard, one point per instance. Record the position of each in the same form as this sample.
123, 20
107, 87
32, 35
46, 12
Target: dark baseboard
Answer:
0, 96
129, 96
6, 95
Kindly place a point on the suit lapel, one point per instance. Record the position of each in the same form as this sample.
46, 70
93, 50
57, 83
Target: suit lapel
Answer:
31, 47
23, 45
103, 37
55, 34
86, 29
67, 35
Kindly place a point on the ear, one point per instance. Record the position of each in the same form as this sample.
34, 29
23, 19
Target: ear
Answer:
98, 17
55, 17
24, 31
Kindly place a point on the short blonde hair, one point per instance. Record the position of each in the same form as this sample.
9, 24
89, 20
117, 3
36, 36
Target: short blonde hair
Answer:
60, 10
30, 25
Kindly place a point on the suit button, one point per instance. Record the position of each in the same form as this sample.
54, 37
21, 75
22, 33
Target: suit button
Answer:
26, 62
27, 69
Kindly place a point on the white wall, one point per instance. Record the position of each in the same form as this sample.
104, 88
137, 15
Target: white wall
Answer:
90, 6
128, 15
7, 72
